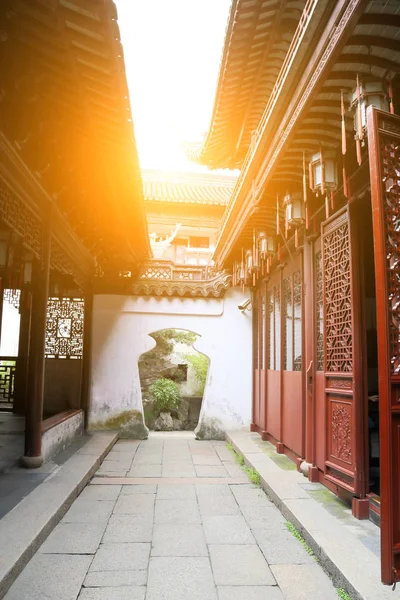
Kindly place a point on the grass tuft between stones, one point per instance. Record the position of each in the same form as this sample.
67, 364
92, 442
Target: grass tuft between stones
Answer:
290, 527
343, 595
251, 473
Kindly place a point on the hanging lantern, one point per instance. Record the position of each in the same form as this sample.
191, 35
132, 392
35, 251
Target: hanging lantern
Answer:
365, 94
249, 261
27, 269
294, 209
323, 167
266, 245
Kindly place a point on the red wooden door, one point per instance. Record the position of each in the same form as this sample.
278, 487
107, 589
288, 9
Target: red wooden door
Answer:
384, 153
259, 356
344, 408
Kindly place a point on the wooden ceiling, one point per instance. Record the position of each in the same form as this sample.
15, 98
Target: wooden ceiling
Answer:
64, 104
373, 52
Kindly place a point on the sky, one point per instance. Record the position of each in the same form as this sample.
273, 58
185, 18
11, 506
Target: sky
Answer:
172, 52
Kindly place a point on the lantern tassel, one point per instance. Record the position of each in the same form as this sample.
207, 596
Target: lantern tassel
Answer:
310, 175
327, 206
391, 105
360, 127
307, 218
304, 179
322, 172
279, 252
296, 239
277, 215
358, 150
345, 191
344, 144
332, 200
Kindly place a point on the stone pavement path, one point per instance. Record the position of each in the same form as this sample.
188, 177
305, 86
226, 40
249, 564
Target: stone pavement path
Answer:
171, 518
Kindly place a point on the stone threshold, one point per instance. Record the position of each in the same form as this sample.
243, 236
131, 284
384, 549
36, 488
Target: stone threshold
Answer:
347, 549
107, 480
25, 528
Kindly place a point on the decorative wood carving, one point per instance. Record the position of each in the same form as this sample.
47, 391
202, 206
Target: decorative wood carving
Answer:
64, 328
214, 287
338, 313
341, 432
319, 310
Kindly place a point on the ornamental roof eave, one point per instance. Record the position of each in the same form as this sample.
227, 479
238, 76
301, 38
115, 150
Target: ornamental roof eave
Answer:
257, 37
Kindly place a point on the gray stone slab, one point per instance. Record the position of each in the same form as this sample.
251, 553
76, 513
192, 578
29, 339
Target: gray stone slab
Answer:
209, 460
50, 576
249, 495
101, 492
145, 471
177, 511
147, 459
240, 565
231, 529
218, 505
210, 489
180, 579
246, 592
135, 504
225, 454
126, 446
128, 528
281, 547
303, 582
139, 488
178, 471
121, 557
111, 473
113, 593
178, 540
235, 471
115, 578
89, 511
259, 517
121, 455
176, 492
74, 538
210, 471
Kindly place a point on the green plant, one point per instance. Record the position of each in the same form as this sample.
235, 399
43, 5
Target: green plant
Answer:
199, 363
251, 473
343, 595
165, 395
290, 527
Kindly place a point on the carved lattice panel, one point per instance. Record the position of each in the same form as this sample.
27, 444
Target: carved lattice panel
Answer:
64, 328
319, 310
7, 380
157, 273
297, 322
390, 151
341, 438
270, 330
338, 310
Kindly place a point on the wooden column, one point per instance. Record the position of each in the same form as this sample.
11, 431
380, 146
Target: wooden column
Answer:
86, 356
34, 411
309, 347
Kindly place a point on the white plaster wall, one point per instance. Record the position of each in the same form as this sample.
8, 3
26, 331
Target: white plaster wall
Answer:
121, 328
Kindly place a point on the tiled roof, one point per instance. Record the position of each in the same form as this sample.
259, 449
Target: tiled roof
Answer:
189, 188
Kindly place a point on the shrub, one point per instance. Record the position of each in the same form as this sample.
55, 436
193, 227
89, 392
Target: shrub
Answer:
199, 363
165, 395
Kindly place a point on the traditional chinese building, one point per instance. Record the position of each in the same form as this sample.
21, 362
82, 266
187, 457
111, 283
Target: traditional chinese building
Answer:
306, 107
71, 205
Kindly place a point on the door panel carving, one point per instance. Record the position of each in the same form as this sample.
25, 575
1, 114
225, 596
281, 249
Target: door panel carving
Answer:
384, 154
344, 464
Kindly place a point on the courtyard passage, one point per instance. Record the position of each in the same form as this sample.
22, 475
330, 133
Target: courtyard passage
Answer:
172, 518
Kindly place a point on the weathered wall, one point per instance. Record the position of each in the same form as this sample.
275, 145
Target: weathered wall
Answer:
57, 438
121, 328
62, 385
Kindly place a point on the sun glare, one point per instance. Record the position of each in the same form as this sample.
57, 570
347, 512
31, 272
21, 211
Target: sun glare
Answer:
172, 53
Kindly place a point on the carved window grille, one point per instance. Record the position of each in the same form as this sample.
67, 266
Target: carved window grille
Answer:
64, 328
274, 328
255, 332
261, 331
271, 329
288, 320
8, 368
338, 313
390, 151
292, 305
157, 273
319, 311
12, 297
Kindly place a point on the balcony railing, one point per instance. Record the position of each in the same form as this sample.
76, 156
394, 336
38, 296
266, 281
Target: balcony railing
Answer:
167, 271
8, 367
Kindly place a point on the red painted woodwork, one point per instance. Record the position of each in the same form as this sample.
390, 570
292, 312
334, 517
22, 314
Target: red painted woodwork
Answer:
345, 453
259, 358
274, 401
384, 157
